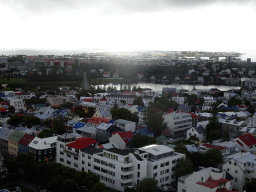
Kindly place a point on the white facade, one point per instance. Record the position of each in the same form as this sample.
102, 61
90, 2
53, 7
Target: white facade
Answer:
125, 125
119, 168
204, 181
178, 122
192, 132
241, 166
179, 100
18, 104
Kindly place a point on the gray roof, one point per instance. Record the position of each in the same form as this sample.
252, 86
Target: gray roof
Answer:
68, 136
184, 108
105, 113
5, 134
105, 106
87, 129
123, 121
243, 157
104, 126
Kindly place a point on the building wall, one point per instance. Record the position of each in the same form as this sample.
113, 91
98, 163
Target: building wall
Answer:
118, 140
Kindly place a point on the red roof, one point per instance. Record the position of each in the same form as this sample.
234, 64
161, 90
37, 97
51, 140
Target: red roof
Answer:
103, 100
126, 136
242, 106
26, 139
98, 120
82, 142
4, 103
248, 139
88, 100
210, 183
239, 143
213, 146
2, 110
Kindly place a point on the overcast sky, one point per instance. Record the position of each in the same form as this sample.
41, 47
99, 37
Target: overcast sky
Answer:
204, 25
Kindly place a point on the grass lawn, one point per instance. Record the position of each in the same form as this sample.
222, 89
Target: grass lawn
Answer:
12, 80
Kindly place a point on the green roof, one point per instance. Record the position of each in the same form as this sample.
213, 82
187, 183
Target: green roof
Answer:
16, 136
161, 138
171, 146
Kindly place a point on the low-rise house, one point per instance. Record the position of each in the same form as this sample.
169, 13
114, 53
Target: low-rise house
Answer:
246, 143
55, 100
205, 147
43, 148
104, 131
103, 107
179, 100
18, 104
232, 126
125, 125
87, 131
4, 136
13, 141
205, 180
122, 139
206, 108
198, 132
106, 74
241, 166
103, 113
24, 142
144, 131
95, 121
230, 147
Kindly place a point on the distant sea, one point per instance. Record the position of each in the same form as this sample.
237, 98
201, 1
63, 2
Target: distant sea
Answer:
244, 53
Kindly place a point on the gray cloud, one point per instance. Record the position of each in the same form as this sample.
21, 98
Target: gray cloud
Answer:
112, 6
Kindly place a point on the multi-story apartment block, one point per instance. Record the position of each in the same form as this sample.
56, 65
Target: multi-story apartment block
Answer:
117, 168
242, 167
18, 104
43, 149
178, 122
4, 136
13, 142
179, 100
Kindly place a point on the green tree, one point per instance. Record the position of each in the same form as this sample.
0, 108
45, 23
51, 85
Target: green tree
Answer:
46, 133
225, 136
212, 127
59, 125
142, 140
250, 186
212, 158
233, 102
123, 113
138, 101
29, 121
184, 167
251, 109
155, 120
147, 185
15, 120
195, 158
181, 149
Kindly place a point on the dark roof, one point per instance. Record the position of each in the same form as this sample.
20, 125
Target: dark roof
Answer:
91, 150
123, 151
138, 157
185, 108
200, 129
248, 139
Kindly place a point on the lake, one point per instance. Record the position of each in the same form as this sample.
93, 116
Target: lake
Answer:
159, 87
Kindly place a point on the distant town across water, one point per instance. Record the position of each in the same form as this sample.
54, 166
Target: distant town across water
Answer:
159, 87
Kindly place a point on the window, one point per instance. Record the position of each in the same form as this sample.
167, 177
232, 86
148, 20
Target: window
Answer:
202, 178
68, 162
162, 164
68, 155
61, 152
138, 174
69, 148
61, 146
236, 171
61, 160
162, 180
166, 178
83, 162
82, 169
155, 167
227, 169
167, 171
39, 152
173, 176
167, 163
83, 155
235, 164
89, 164
138, 166
230, 162
235, 179
174, 161
75, 165
155, 175
89, 156
161, 172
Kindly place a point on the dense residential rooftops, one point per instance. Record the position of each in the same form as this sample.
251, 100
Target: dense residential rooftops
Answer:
200, 129
210, 183
126, 136
243, 157
104, 126
44, 143
122, 121
5, 134
16, 136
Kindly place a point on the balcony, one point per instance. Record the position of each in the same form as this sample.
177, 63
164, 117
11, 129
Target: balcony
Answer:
248, 168
127, 178
70, 152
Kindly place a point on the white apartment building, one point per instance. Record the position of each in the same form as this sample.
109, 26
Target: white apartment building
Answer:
241, 166
205, 180
18, 104
119, 169
178, 123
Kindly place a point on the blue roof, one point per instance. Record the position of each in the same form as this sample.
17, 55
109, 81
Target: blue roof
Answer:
235, 108
2, 95
142, 131
79, 125
111, 121
191, 148
140, 108
247, 113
